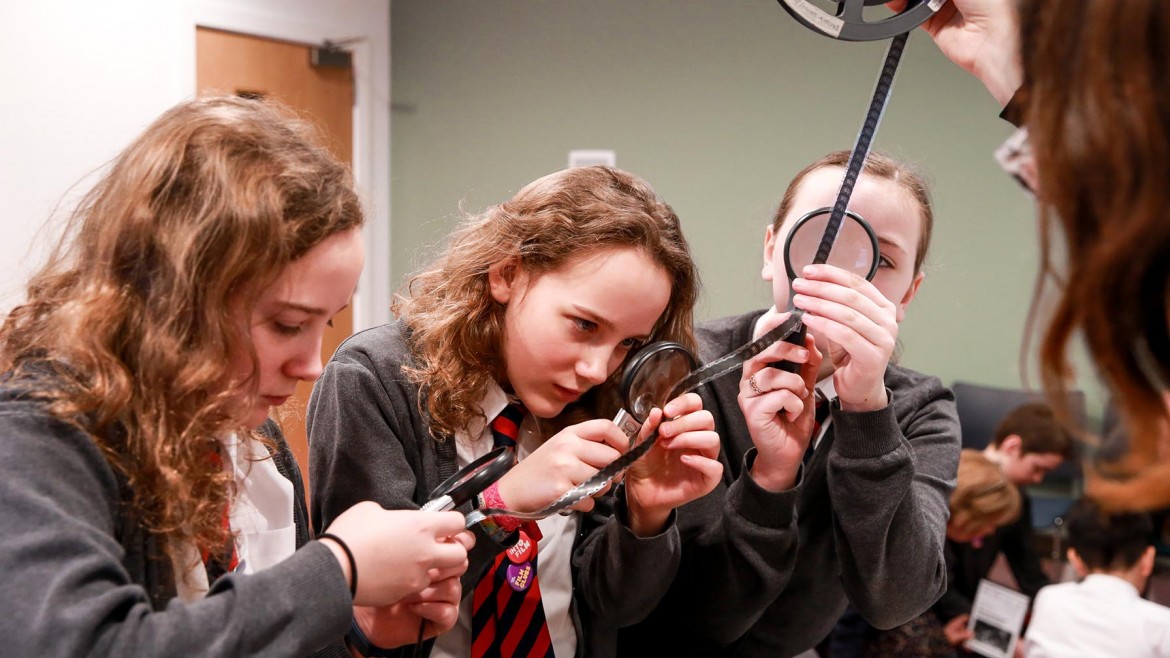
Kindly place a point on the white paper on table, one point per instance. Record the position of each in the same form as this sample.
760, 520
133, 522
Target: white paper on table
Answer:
997, 617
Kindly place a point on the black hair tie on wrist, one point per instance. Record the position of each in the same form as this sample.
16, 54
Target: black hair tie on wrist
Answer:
352, 562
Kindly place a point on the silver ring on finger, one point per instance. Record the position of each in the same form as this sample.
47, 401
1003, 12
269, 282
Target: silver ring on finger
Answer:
755, 387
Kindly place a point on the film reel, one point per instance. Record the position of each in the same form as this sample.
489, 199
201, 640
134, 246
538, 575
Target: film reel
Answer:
848, 23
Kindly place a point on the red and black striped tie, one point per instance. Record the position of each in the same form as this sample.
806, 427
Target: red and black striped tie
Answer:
507, 616
820, 413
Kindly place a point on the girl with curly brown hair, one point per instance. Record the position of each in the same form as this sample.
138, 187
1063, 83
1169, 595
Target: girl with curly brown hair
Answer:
148, 506
535, 302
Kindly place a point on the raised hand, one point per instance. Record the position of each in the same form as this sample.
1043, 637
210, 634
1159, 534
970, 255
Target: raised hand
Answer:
568, 459
399, 552
860, 327
982, 37
778, 408
682, 466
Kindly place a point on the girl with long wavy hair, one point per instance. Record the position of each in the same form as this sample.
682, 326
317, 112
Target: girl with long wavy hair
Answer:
531, 310
1089, 82
148, 506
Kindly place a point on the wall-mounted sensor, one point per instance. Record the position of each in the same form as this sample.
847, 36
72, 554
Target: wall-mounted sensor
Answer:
589, 157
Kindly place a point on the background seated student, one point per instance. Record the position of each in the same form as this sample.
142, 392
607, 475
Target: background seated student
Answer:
983, 501
142, 514
1028, 443
813, 514
531, 310
1103, 614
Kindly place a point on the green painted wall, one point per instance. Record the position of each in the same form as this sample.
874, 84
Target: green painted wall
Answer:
717, 103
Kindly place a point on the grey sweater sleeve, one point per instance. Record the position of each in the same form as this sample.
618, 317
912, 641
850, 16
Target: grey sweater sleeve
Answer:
739, 553
768, 573
368, 441
67, 592
890, 481
620, 576
739, 541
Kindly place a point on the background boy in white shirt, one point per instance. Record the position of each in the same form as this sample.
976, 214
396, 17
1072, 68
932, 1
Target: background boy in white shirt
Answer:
1103, 614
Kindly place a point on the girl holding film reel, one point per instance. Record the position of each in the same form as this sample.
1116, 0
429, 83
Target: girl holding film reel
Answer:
539, 301
812, 515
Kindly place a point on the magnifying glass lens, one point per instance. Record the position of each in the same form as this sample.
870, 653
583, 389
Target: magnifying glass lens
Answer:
852, 251
643, 405
653, 378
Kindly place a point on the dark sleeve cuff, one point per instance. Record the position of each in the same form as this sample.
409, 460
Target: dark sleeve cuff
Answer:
1013, 112
866, 434
770, 509
622, 514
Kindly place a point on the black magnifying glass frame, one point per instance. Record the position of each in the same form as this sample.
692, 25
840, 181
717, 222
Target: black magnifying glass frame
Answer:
813, 214
633, 413
797, 337
469, 481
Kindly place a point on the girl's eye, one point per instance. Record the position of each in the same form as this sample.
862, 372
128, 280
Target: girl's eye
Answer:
584, 325
631, 344
286, 329
885, 263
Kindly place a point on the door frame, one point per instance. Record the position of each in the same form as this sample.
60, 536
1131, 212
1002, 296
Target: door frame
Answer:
354, 24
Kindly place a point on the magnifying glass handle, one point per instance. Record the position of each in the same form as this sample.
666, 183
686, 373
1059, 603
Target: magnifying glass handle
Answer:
440, 504
796, 338
627, 424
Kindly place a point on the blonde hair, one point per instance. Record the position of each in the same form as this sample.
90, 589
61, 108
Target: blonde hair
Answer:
144, 305
456, 327
983, 495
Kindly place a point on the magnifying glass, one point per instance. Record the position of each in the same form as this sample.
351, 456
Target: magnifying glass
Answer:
648, 380
855, 249
470, 480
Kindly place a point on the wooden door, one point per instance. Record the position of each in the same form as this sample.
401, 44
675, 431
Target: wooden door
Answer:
255, 67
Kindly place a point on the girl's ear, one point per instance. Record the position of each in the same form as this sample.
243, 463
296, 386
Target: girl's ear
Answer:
909, 296
502, 279
769, 248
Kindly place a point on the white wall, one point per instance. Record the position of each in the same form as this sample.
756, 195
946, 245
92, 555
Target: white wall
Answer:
79, 80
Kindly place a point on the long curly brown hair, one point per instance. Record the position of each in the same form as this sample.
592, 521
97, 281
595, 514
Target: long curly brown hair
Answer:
1096, 101
457, 327
142, 309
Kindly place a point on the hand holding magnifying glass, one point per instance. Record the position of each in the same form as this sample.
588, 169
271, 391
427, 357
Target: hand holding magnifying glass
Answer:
647, 383
777, 406
855, 250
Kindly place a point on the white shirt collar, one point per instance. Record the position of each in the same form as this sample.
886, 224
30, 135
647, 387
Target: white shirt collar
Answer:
491, 404
476, 441
1112, 584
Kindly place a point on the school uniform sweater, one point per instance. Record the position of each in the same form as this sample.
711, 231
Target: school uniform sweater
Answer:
82, 577
368, 440
768, 573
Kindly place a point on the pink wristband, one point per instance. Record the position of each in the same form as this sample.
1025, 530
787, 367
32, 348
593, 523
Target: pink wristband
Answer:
492, 500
